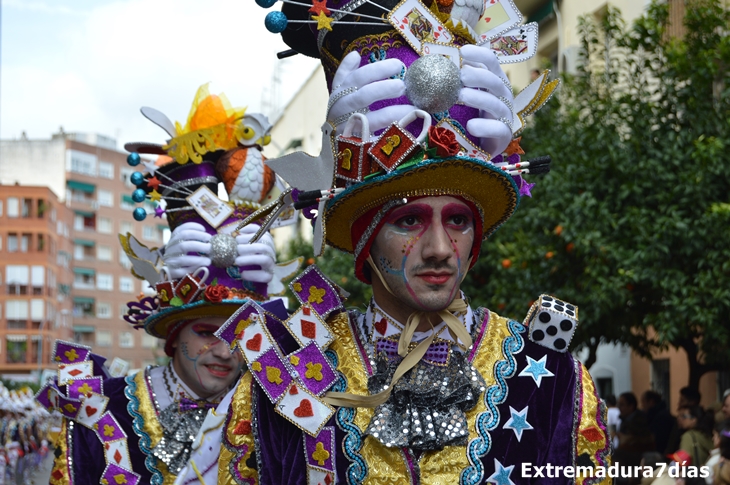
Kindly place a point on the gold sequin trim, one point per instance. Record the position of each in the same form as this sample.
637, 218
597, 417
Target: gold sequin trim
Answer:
239, 411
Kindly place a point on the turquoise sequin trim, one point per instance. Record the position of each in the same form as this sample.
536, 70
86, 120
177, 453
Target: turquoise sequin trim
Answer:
145, 442
358, 468
496, 394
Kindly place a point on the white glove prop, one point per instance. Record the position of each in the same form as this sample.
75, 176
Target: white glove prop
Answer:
256, 261
486, 88
187, 238
356, 88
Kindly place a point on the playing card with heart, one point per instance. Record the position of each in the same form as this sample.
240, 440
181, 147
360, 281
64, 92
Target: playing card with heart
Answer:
304, 410
499, 16
232, 329
417, 24
517, 44
92, 409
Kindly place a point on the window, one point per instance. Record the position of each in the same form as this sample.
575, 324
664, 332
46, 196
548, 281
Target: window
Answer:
12, 243
1, 208
37, 310
37, 279
17, 279
149, 233
17, 346
103, 253
106, 170
27, 208
103, 310
13, 207
104, 225
126, 284
149, 342
16, 311
80, 162
124, 260
41, 208
104, 282
105, 198
1, 243
103, 338
125, 174
126, 340
25, 242
41, 243
83, 280
123, 308
126, 227
83, 307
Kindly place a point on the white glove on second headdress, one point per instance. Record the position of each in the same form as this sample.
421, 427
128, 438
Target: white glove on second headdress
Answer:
486, 88
189, 249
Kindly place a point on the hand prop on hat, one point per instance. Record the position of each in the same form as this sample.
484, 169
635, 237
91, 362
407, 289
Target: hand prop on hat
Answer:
191, 247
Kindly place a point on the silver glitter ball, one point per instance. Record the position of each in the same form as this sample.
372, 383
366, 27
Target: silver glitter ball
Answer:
223, 250
433, 83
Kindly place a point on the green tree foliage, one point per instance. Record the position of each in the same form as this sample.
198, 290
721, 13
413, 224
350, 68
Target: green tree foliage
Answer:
633, 222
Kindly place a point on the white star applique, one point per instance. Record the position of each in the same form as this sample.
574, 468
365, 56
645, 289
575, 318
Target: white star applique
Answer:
536, 369
501, 474
518, 422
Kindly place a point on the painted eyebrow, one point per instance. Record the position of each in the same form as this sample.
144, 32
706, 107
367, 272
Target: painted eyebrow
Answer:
410, 210
456, 210
204, 327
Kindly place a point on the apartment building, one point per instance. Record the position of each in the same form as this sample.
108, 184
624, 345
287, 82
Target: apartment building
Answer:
35, 277
91, 178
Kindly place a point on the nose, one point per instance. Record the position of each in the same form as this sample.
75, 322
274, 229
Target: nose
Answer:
220, 350
437, 243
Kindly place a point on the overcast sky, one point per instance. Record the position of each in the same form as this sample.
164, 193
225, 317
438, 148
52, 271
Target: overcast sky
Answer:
89, 65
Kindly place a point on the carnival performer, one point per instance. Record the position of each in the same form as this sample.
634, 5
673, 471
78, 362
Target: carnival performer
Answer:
139, 429
420, 163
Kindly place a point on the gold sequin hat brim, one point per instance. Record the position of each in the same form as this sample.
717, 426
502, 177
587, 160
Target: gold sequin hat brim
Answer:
490, 188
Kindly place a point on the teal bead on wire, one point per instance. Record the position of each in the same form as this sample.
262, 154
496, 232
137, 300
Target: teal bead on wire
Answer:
276, 22
139, 214
139, 195
133, 159
137, 178
265, 3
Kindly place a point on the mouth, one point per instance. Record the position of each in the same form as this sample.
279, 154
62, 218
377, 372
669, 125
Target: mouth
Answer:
219, 370
433, 278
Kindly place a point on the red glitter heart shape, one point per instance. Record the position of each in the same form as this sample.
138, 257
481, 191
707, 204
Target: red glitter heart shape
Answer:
254, 343
304, 410
293, 391
381, 326
90, 411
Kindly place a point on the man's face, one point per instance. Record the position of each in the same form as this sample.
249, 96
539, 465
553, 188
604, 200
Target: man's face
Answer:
202, 361
423, 251
624, 407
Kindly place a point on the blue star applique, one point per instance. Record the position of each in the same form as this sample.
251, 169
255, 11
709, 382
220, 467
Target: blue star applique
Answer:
518, 422
536, 369
501, 474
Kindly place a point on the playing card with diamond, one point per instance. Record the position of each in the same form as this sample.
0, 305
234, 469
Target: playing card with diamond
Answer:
516, 45
304, 409
314, 288
117, 452
306, 325
69, 352
72, 372
116, 475
272, 374
417, 24
499, 16
315, 371
92, 409
108, 429
81, 388
232, 330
